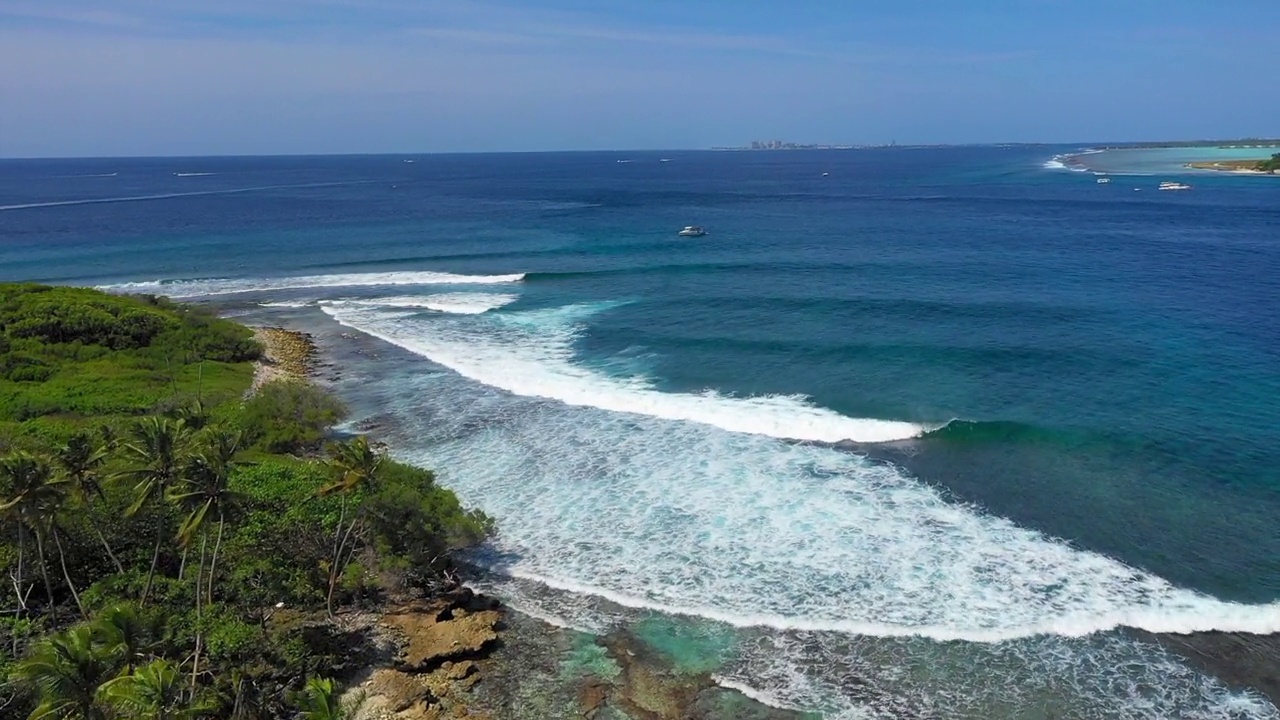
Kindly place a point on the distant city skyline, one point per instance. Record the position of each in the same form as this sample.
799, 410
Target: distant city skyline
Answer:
210, 77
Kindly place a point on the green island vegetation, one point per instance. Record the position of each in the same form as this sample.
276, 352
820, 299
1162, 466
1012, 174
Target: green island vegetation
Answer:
1270, 165
172, 549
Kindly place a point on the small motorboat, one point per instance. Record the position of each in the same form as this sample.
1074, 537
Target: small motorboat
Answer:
1104, 180
1170, 185
692, 231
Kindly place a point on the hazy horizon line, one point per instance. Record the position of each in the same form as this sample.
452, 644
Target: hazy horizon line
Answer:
833, 146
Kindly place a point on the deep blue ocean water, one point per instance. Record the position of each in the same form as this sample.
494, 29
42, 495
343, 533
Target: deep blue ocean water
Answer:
909, 431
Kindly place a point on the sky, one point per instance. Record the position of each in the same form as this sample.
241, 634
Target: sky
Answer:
214, 77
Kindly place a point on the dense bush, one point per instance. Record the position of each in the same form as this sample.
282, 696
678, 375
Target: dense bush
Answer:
74, 351
207, 567
289, 416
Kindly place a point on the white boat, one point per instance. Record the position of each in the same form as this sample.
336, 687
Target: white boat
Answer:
1104, 180
692, 231
1169, 185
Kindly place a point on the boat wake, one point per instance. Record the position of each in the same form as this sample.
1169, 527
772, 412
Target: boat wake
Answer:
168, 196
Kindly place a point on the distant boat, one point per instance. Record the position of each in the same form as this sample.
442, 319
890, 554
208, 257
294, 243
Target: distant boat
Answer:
1104, 180
825, 174
692, 231
664, 160
1170, 185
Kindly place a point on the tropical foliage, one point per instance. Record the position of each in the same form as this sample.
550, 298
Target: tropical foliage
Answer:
1271, 165
176, 552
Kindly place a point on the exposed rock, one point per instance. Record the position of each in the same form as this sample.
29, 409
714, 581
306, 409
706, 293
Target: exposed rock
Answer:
390, 692
434, 635
287, 355
592, 696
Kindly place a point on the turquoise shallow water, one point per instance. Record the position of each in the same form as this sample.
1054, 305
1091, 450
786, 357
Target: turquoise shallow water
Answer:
892, 439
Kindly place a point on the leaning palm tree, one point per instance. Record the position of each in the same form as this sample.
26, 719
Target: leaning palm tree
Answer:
57, 504
66, 671
205, 489
80, 463
152, 692
354, 466
29, 504
159, 450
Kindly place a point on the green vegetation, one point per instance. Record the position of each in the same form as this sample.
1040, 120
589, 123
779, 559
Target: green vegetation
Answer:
1270, 166
173, 550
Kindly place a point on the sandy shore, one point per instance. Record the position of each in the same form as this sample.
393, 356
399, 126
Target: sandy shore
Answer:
287, 355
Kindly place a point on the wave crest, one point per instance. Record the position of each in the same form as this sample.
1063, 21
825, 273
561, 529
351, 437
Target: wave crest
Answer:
227, 286
531, 354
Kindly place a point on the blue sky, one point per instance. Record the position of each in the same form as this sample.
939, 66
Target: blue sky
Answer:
165, 77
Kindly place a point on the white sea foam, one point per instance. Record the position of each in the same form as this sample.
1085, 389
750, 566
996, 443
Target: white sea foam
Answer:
830, 565
226, 286
531, 354
740, 528
286, 304
457, 303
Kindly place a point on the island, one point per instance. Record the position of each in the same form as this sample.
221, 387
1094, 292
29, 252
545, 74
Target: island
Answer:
1248, 167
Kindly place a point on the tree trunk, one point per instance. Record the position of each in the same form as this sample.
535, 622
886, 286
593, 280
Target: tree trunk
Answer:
213, 561
333, 567
44, 572
62, 560
195, 663
155, 558
338, 565
107, 546
18, 582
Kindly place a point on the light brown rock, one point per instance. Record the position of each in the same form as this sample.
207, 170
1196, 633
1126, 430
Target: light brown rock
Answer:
430, 642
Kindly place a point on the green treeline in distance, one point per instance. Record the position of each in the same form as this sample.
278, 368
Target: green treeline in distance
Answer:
173, 550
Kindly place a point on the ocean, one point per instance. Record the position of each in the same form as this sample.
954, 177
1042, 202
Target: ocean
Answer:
908, 433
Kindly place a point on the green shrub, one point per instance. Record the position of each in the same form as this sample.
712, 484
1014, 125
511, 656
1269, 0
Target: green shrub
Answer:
290, 416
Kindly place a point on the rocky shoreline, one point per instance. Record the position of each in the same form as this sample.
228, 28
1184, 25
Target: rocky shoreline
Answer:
464, 656
286, 355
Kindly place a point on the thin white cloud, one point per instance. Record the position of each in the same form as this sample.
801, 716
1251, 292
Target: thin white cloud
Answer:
89, 17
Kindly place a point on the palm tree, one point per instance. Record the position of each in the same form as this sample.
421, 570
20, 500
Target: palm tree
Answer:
80, 463
30, 503
355, 467
152, 692
205, 488
66, 671
129, 634
160, 448
320, 699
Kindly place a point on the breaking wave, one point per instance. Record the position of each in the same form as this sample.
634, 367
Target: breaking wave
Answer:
227, 286
531, 354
